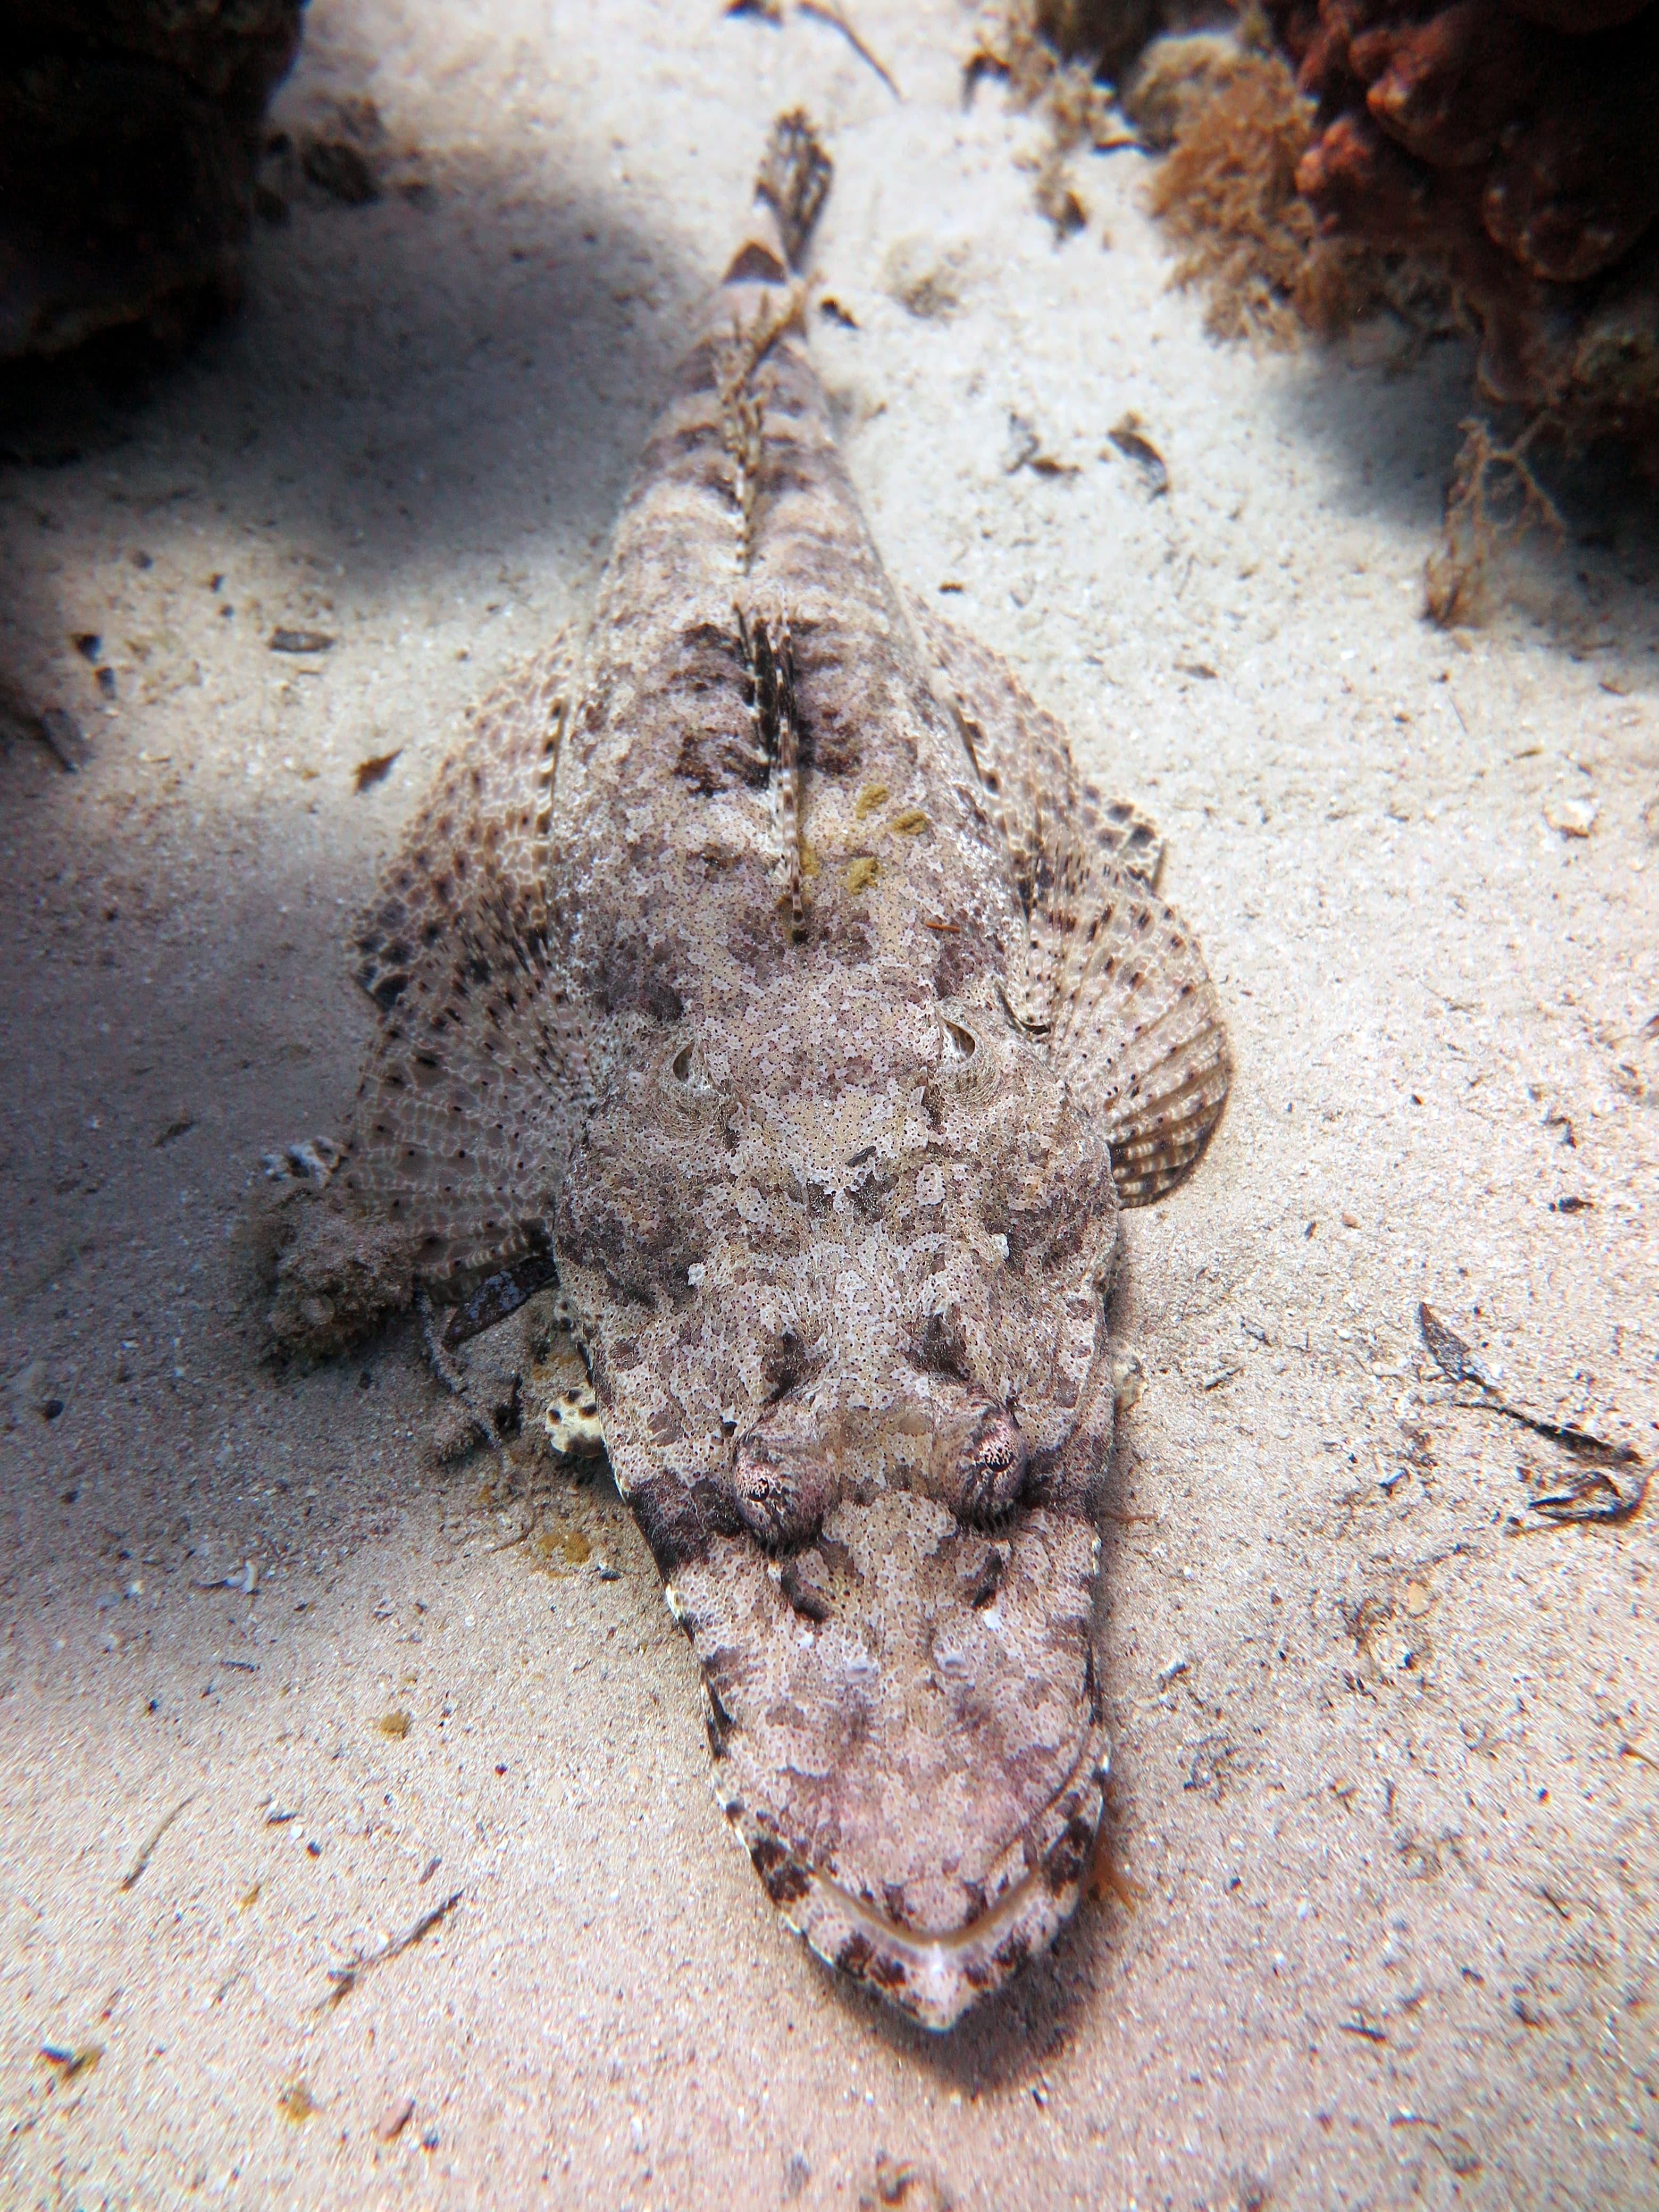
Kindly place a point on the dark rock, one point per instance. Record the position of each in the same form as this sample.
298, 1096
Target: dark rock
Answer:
1509, 145
130, 135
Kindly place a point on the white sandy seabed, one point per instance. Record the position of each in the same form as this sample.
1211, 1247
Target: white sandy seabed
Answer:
1380, 1923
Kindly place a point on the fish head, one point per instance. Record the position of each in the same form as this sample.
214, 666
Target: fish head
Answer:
846, 1323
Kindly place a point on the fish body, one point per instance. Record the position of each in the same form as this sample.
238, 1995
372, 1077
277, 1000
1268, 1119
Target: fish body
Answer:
764, 966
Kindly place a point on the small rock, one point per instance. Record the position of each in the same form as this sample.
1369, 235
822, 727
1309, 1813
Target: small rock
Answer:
66, 739
1572, 818
341, 170
394, 2118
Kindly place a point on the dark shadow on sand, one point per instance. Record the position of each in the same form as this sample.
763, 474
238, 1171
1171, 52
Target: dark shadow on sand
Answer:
1391, 413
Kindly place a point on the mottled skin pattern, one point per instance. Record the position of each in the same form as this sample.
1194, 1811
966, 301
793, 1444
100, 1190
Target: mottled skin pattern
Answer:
767, 959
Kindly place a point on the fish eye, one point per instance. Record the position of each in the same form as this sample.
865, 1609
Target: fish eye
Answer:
783, 1490
990, 1468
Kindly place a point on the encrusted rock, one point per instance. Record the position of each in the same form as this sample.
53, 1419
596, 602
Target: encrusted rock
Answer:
339, 1279
129, 139
1511, 144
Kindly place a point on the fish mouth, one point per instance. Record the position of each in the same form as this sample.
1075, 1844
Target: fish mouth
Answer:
936, 1974
906, 1736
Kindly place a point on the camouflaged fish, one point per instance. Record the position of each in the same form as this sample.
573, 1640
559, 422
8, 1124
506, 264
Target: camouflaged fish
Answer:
765, 968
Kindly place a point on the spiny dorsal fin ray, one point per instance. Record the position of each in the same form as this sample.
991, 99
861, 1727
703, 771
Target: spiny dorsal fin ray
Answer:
770, 654
1106, 972
463, 1117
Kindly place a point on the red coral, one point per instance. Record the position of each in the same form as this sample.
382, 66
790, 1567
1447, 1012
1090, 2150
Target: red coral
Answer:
1512, 144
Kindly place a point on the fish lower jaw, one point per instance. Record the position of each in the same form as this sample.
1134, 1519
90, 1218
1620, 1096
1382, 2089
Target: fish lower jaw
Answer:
936, 1977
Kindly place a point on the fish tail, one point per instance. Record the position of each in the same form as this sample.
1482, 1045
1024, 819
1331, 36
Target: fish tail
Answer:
791, 187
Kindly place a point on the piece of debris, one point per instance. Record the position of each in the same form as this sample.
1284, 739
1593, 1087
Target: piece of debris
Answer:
1570, 818
906, 2182
1128, 1380
1040, 57
1362, 2028
337, 168
824, 11
827, 11
925, 281
345, 1979
68, 2061
1108, 1877
1026, 451
1022, 444
337, 154
178, 1126
395, 1725
1457, 1361
833, 312
394, 2119
296, 2102
375, 769
1208, 1773
1601, 1480
245, 1580
32, 1390
65, 739
312, 1160
130, 1880
300, 640
88, 644
1571, 1205
1133, 443
1564, 1123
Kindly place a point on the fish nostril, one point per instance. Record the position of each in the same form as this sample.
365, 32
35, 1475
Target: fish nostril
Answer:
802, 1582
987, 1578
